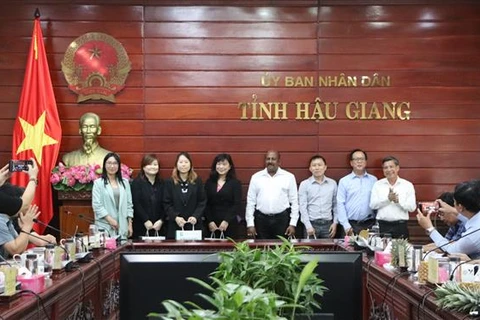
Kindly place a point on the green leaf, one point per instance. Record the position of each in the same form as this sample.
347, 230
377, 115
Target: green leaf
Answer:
306, 273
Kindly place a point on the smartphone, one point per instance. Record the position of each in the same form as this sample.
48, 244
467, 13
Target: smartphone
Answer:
19, 165
426, 207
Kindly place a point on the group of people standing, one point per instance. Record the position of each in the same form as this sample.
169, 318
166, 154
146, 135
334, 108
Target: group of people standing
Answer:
356, 203
155, 206
274, 205
150, 205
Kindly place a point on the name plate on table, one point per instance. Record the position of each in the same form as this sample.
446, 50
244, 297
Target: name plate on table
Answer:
188, 235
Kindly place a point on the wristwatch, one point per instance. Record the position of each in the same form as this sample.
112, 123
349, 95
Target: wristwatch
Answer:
34, 180
429, 230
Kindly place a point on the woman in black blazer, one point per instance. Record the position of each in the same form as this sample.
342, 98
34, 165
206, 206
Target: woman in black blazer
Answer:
147, 194
224, 197
184, 197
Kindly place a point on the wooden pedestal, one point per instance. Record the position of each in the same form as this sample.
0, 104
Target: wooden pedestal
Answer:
75, 210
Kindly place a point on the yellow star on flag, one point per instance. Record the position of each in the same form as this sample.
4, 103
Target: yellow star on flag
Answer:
35, 137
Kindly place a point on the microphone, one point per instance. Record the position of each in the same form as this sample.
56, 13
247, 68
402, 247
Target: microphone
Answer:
449, 242
452, 274
81, 217
84, 218
5, 260
91, 221
70, 263
87, 219
53, 228
85, 258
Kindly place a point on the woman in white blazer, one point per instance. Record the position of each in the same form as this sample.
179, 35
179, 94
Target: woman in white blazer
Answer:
112, 199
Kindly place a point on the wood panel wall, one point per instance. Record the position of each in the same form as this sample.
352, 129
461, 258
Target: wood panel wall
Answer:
194, 61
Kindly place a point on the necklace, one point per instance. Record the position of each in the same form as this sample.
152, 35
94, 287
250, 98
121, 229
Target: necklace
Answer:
184, 186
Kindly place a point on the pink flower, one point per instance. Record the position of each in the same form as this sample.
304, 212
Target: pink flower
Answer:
55, 178
71, 182
80, 177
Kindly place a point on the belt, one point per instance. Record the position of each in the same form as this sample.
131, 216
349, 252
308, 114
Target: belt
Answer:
361, 221
271, 214
393, 222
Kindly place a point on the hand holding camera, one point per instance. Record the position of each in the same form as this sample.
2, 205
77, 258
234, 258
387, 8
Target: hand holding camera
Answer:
444, 208
428, 207
4, 174
19, 165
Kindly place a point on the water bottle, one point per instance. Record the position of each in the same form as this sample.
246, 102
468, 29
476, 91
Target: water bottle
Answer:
49, 258
79, 242
93, 240
31, 263
102, 237
376, 228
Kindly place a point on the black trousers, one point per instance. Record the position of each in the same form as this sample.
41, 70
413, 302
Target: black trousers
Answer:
358, 226
270, 226
398, 229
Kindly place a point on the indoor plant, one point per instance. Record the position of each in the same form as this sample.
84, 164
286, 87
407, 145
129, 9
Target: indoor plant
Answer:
235, 301
276, 270
231, 302
279, 271
79, 178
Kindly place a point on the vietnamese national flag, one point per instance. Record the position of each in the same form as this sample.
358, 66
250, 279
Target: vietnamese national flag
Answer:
37, 132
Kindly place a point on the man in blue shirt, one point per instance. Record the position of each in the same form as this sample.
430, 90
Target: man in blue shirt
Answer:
353, 196
450, 216
457, 227
467, 202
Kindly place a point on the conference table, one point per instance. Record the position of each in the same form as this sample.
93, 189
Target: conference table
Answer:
93, 287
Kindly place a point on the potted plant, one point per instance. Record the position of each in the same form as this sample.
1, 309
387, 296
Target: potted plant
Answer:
234, 301
278, 271
231, 302
79, 178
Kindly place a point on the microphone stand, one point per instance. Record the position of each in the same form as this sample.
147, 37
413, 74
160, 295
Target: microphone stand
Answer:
449, 242
84, 218
87, 219
452, 274
87, 257
5, 260
70, 265
53, 228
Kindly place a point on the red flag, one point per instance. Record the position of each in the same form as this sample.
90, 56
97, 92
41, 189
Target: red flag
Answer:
37, 132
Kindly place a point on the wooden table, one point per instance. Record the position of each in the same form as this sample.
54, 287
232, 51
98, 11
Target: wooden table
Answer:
94, 286
405, 299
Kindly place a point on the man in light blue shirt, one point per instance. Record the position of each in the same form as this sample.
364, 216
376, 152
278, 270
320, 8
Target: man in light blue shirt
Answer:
353, 196
467, 202
317, 201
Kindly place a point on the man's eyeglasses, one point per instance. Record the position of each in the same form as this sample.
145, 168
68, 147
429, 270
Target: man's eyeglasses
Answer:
358, 159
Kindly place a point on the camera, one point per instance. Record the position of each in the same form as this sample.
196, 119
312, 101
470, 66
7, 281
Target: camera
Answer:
19, 165
426, 207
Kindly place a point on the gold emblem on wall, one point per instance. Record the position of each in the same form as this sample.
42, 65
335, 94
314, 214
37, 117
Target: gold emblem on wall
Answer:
96, 66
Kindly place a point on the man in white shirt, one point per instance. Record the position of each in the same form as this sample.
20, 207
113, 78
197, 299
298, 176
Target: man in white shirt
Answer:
272, 201
393, 198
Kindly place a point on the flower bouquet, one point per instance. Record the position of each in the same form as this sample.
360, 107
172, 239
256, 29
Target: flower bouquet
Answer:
81, 177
